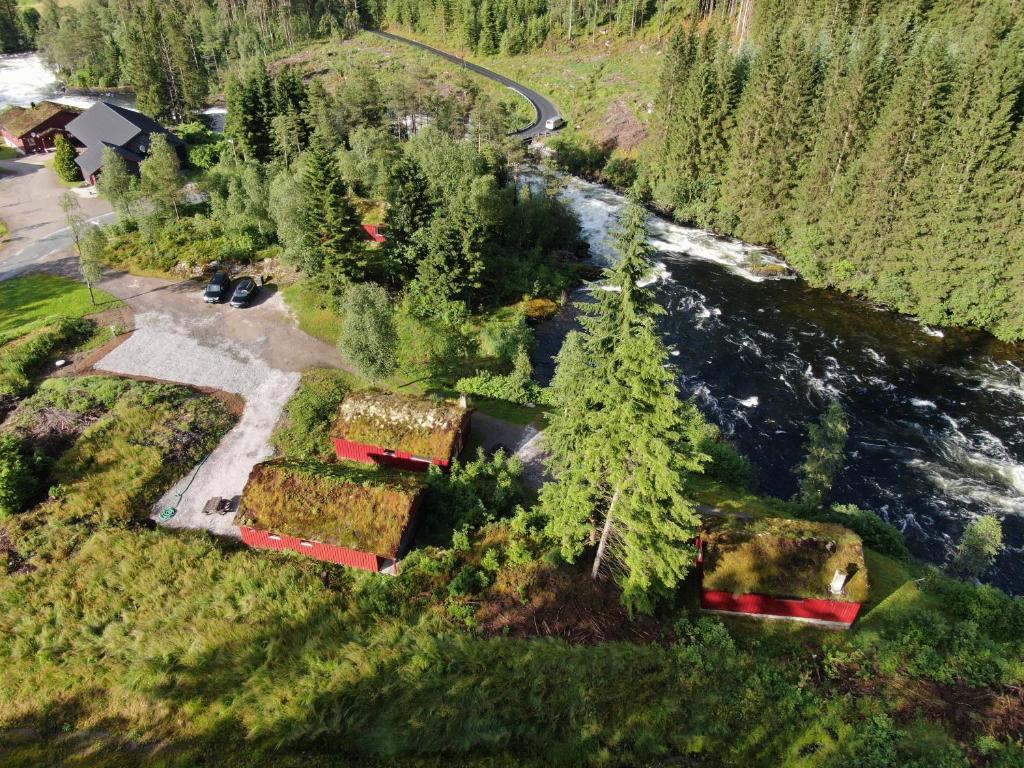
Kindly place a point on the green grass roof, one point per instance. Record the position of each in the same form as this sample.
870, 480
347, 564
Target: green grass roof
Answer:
783, 558
362, 508
19, 120
416, 425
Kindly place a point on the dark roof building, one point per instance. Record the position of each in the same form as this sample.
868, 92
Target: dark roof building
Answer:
34, 129
127, 132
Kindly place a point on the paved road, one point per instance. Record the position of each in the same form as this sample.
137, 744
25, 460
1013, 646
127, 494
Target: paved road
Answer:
30, 206
544, 108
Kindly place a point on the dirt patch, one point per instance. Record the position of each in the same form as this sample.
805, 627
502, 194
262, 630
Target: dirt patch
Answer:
568, 604
620, 127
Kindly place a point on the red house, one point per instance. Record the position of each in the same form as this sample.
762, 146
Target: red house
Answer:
373, 232
782, 569
362, 517
402, 431
34, 129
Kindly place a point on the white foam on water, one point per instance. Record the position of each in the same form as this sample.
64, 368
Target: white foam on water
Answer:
750, 402
935, 332
919, 403
25, 79
598, 210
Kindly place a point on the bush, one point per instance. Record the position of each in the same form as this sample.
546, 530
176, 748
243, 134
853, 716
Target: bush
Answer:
64, 160
506, 339
21, 358
620, 173
511, 387
18, 482
873, 530
303, 433
471, 495
368, 335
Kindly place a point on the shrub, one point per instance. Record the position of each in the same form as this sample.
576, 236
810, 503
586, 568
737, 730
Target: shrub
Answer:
17, 479
368, 335
304, 432
981, 543
511, 387
21, 358
875, 532
506, 339
469, 496
620, 173
64, 160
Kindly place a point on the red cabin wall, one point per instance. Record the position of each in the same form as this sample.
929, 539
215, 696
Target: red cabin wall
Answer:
375, 454
330, 553
763, 605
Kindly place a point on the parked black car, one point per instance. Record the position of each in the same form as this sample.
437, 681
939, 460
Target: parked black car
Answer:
218, 289
245, 291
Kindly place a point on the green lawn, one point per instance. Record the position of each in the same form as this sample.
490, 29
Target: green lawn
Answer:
30, 301
8, 153
4, 231
311, 312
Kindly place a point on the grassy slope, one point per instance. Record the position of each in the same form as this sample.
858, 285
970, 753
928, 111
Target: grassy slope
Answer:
30, 301
586, 81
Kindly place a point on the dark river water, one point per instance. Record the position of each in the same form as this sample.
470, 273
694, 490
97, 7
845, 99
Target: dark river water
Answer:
936, 417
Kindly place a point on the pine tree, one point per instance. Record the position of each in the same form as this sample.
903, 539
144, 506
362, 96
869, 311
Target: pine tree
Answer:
64, 160
329, 218
409, 203
616, 441
250, 104
826, 443
770, 143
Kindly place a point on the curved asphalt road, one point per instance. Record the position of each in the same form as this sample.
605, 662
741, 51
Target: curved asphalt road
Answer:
545, 109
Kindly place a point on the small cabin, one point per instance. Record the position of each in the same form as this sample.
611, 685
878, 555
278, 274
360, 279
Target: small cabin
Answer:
35, 129
362, 517
401, 431
782, 569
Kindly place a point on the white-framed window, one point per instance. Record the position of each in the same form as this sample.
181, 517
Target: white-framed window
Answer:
306, 544
274, 537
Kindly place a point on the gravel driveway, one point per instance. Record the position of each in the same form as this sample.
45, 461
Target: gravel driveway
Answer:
257, 353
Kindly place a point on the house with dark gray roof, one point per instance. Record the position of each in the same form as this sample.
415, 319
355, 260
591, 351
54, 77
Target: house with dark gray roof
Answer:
127, 132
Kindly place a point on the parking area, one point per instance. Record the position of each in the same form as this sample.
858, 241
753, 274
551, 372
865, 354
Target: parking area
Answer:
257, 353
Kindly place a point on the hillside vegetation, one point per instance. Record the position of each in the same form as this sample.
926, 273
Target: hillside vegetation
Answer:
878, 146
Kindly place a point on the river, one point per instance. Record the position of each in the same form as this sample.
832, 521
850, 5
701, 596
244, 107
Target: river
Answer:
24, 80
936, 416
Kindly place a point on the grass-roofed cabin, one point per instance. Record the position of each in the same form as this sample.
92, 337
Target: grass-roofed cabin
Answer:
363, 517
402, 431
777, 568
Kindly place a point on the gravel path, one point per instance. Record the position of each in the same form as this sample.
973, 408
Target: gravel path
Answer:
257, 353
165, 347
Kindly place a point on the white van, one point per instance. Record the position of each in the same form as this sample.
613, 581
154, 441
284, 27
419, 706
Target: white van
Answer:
554, 123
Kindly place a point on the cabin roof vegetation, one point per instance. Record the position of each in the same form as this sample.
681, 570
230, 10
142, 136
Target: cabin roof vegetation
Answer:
363, 508
783, 558
19, 121
417, 425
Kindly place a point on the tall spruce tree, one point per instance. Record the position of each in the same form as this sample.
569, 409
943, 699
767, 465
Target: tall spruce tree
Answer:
329, 220
616, 443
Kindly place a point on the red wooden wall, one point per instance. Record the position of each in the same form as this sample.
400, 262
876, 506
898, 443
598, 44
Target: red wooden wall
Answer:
330, 553
374, 454
763, 605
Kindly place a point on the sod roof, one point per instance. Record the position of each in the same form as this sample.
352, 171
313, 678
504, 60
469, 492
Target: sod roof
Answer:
363, 508
21, 120
783, 558
416, 425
